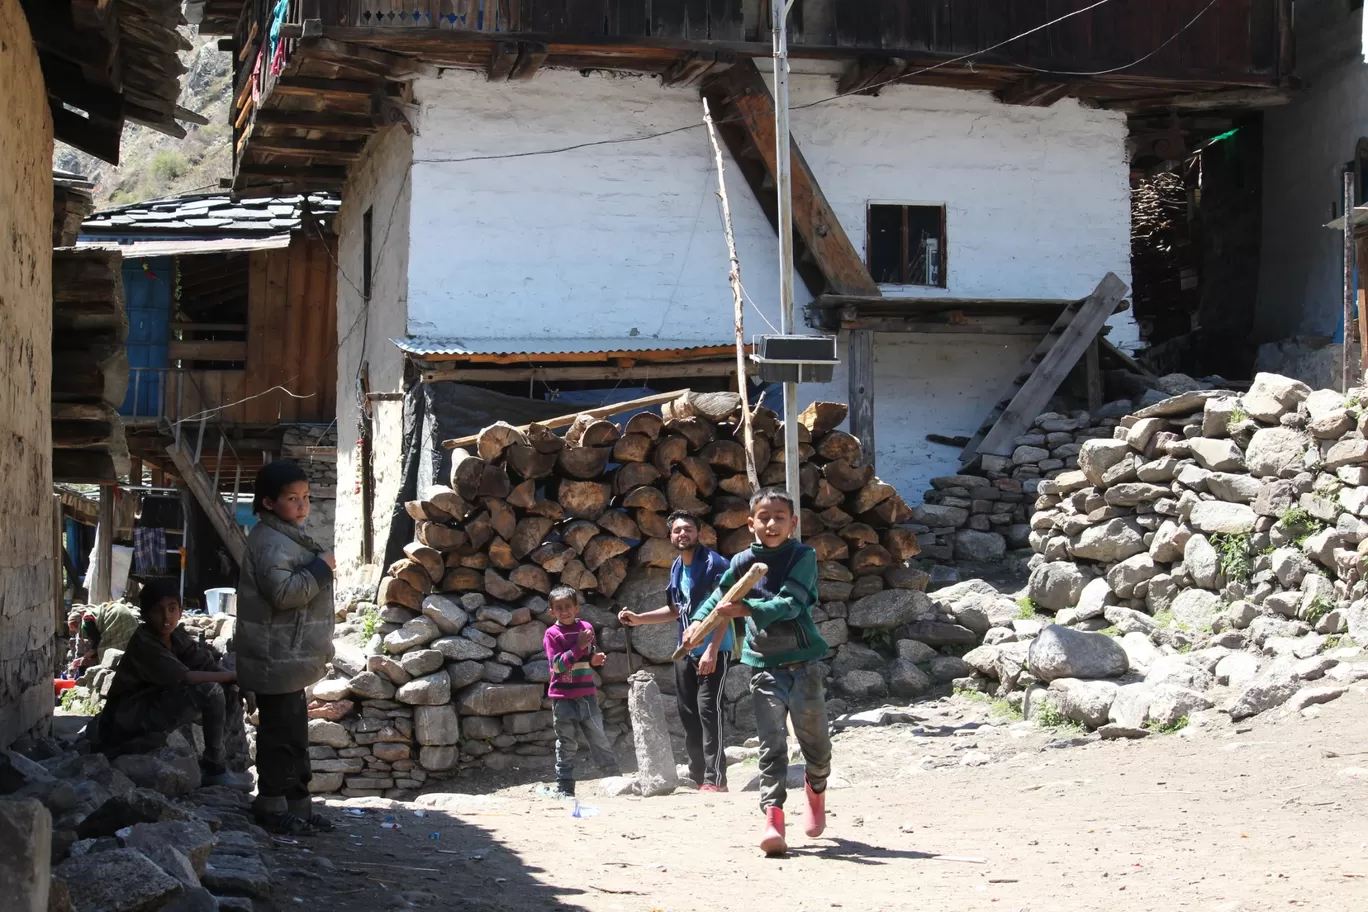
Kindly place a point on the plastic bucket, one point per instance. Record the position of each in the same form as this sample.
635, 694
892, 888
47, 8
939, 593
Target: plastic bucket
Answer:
220, 601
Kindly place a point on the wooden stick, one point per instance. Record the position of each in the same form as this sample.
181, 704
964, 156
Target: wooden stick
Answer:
716, 621
567, 420
738, 317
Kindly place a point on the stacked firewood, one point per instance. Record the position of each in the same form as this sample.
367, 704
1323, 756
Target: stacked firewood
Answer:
527, 509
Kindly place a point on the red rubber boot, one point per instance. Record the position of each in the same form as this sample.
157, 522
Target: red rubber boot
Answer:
815, 824
772, 843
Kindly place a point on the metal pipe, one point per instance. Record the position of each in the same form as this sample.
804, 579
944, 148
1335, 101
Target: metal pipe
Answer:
784, 187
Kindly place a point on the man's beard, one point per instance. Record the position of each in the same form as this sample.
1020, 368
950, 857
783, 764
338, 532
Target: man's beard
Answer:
687, 547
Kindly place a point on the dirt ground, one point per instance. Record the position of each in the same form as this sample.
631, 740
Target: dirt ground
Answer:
955, 811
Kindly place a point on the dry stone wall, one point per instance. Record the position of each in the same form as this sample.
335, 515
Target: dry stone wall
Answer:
1210, 552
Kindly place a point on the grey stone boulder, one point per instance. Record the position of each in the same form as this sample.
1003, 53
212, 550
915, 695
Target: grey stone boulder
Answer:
1130, 494
499, 699
120, 880
1233, 488
1272, 688
1178, 671
192, 838
1095, 598
1114, 540
330, 690
137, 806
436, 724
1218, 516
1169, 541
526, 639
462, 674
855, 657
935, 515
461, 649
447, 612
1060, 652
1202, 562
370, 686
1237, 670
1128, 620
1217, 455
1097, 456
25, 854
981, 547
1088, 702
1347, 452
1271, 396
1170, 703
1140, 651
983, 660
1130, 706
885, 609
387, 668
862, 685
1129, 573
1196, 608
939, 633
658, 774
1217, 416
418, 632
1055, 585
429, 690
1310, 696
1275, 453
243, 875
419, 662
906, 679
945, 669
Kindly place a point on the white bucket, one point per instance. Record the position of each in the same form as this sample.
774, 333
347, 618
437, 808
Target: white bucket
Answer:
220, 601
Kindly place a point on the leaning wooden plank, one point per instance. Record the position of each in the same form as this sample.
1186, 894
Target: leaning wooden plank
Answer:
1035, 393
1110, 348
616, 408
715, 621
198, 482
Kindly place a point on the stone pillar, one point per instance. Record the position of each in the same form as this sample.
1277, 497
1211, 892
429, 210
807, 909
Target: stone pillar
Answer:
656, 772
25, 854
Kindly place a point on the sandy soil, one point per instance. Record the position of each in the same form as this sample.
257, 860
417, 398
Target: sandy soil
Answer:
1267, 814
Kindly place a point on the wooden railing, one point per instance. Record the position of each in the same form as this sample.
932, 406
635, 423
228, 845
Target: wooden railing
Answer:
168, 394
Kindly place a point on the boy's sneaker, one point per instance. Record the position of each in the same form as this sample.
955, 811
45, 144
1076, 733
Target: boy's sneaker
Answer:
565, 788
709, 787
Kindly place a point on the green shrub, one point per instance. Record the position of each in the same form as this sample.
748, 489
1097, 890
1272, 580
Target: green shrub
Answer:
1004, 709
370, 622
1026, 609
1236, 553
1238, 414
1176, 725
78, 701
972, 695
1049, 716
1320, 606
1300, 524
167, 165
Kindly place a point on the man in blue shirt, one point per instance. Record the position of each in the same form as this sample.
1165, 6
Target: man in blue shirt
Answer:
700, 676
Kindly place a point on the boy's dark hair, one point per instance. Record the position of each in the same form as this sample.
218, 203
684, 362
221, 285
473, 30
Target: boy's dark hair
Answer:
684, 515
561, 593
768, 495
273, 478
153, 591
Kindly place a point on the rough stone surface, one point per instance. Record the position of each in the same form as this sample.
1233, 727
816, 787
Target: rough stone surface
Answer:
657, 774
430, 690
1268, 690
1202, 562
1060, 652
1124, 577
1055, 586
120, 880
1275, 453
1170, 702
1097, 456
447, 612
1130, 706
25, 841
1114, 540
1088, 702
1217, 516
983, 547
461, 649
370, 686
499, 699
524, 640
1217, 455
1196, 608
888, 608
905, 679
1237, 669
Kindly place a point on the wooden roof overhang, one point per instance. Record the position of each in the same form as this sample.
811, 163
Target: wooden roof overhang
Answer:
346, 68
935, 315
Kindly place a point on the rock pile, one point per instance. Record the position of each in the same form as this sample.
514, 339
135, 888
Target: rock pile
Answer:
78, 832
1210, 552
451, 674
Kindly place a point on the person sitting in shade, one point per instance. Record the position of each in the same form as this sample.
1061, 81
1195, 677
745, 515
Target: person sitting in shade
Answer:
165, 680
100, 628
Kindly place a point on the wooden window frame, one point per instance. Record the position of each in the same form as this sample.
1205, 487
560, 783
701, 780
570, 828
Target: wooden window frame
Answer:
905, 267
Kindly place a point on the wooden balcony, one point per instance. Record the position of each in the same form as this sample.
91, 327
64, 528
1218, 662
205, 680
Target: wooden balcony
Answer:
343, 68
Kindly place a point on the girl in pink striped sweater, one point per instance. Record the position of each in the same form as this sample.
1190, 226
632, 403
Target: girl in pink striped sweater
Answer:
575, 713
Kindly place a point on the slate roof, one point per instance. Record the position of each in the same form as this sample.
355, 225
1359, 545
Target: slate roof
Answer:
212, 215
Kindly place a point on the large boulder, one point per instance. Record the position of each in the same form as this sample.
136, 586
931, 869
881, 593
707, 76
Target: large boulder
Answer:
1196, 608
436, 724
1217, 516
1114, 540
1087, 702
1056, 585
1217, 455
120, 880
855, 657
461, 649
1270, 689
1130, 706
418, 632
1097, 456
370, 686
25, 854
657, 642
1095, 598
1271, 396
1171, 703
526, 639
1275, 453
1129, 573
1202, 562
984, 547
429, 690
907, 680
447, 612
1233, 488
890, 608
499, 699
1060, 652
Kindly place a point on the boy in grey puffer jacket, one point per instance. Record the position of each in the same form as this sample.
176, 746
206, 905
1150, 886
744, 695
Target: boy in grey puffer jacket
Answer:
284, 640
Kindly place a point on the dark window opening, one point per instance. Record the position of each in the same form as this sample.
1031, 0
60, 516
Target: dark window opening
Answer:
366, 250
1361, 172
906, 244
210, 310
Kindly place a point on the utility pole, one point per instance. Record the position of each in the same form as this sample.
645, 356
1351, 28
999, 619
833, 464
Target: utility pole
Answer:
779, 10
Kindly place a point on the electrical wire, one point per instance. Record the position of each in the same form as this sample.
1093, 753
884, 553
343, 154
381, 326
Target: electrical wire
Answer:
1134, 63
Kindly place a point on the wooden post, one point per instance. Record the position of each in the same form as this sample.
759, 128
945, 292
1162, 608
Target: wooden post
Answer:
1349, 199
59, 603
1361, 256
1092, 367
100, 589
135, 471
738, 308
860, 373
218, 464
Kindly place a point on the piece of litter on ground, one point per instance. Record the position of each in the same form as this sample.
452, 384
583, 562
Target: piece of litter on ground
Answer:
390, 826
355, 812
282, 840
436, 835
1001, 880
298, 899
420, 813
581, 810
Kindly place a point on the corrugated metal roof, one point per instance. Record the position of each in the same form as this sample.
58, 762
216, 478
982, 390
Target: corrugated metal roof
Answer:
186, 246
430, 345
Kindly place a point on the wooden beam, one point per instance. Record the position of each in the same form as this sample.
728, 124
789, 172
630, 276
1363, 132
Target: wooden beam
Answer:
93, 138
323, 174
584, 372
1093, 375
380, 63
860, 374
867, 75
606, 411
1034, 91
339, 150
1107, 346
321, 87
1044, 380
229, 532
316, 120
503, 55
180, 350
531, 56
974, 326
743, 89
1204, 101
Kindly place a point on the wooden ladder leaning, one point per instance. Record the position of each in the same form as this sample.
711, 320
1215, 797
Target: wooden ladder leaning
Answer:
1044, 370
205, 490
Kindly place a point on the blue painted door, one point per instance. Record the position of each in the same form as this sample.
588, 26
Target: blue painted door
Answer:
148, 289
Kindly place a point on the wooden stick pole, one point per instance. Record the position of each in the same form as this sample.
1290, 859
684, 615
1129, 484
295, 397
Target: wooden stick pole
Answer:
1349, 199
567, 420
738, 316
715, 621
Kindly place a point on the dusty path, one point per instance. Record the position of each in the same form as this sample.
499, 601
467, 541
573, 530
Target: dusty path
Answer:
1265, 815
